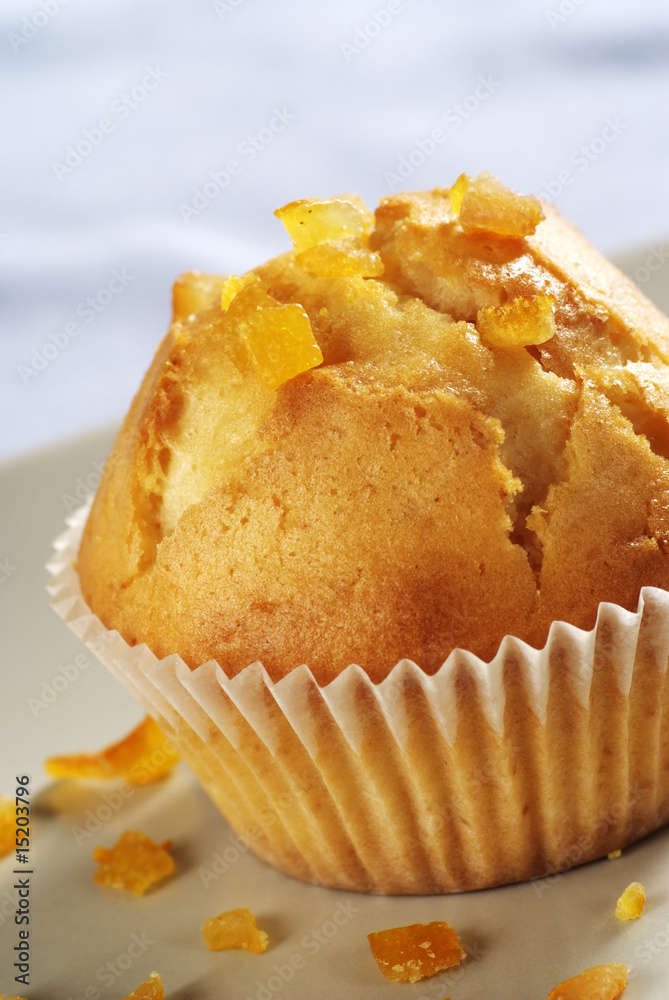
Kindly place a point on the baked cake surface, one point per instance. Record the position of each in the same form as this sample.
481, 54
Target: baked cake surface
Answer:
483, 448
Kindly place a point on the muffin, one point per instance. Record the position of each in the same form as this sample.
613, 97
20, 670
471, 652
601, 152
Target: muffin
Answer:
384, 540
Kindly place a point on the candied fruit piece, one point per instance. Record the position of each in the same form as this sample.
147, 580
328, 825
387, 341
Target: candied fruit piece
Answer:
274, 338
518, 323
631, 903
341, 259
234, 929
7, 825
612, 855
489, 206
193, 291
143, 756
150, 989
311, 221
134, 863
407, 954
458, 191
280, 343
600, 982
252, 294
233, 287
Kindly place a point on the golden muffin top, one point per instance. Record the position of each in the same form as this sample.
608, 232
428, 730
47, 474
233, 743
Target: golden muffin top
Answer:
419, 430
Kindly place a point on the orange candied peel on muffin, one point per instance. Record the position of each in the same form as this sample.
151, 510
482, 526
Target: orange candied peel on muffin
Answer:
415, 431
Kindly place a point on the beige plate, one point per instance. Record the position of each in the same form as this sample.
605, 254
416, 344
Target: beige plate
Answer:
95, 943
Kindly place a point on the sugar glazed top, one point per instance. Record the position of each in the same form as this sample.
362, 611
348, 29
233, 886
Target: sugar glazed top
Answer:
416, 431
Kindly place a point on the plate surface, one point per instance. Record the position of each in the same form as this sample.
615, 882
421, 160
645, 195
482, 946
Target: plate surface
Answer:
86, 941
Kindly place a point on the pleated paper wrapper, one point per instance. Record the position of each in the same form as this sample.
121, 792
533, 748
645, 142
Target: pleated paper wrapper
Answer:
480, 775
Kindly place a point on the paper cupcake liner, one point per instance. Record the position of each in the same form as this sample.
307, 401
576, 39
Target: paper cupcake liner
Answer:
480, 775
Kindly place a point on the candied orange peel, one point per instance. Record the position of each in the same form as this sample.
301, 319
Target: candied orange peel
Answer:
600, 982
7, 825
342, 259
408, 954
143, 756
134, 863
486, 205
274, 338
457, 192
631, 903
518, 323
150, 989
328, 237
233, 287
312, 220
245, 293
234, 929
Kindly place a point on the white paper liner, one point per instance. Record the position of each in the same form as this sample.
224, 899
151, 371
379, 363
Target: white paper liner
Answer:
482, 774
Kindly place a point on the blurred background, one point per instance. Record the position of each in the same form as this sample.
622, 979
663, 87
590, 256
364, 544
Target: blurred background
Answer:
142, 138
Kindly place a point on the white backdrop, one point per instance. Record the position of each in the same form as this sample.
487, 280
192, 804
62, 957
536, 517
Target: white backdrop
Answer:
141, 138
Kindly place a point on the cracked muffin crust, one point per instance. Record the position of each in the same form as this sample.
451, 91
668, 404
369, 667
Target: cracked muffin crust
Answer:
424, 487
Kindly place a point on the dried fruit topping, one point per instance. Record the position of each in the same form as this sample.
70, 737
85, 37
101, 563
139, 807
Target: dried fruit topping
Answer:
143, 756
135, 863
274, 338
234, 285
311, 221
7, 825
342, 259
280, 343
518, 323
601, 982
150, 989
631, 903
245, 294
487, 205
193, 291
234, 929
407, 954
457, 192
